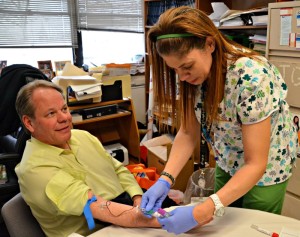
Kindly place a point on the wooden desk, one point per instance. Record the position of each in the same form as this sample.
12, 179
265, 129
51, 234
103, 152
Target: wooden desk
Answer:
120, 127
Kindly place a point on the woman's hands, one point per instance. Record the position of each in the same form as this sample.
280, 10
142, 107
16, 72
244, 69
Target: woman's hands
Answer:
181, 220
153, 198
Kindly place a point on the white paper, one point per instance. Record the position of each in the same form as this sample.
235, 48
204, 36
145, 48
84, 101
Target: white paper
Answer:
78, 88
287, 232
85, 77
285, 25
219, 8
88, 91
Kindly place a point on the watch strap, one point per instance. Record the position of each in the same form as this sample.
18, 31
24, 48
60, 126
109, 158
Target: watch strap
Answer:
219, 207
169, 176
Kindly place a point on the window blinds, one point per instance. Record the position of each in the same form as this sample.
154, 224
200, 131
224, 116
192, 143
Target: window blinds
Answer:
36, 23
115, 15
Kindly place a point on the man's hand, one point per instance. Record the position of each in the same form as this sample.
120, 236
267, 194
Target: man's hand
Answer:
137, 199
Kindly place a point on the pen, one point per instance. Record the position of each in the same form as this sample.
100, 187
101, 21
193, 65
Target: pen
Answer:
270, 233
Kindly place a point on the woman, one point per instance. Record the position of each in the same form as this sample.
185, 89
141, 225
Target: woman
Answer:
247, 120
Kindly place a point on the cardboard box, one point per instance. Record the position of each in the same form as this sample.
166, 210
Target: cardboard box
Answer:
158, 157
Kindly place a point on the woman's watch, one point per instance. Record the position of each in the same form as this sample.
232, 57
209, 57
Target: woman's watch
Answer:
219, 207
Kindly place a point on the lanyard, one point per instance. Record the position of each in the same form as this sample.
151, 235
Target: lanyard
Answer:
205, 135
204, 151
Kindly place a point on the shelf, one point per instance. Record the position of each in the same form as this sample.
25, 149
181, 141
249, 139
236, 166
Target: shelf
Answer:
99, 104
120, 127
120, 113
243, 27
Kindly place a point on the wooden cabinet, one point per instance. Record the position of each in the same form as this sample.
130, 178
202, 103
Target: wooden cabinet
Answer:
119, 127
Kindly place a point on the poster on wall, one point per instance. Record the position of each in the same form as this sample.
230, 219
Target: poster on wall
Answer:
45, 65
296, 120
59, 66
46, 68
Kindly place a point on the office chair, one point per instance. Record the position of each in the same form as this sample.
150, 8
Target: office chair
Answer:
19, 219
12, 135
12, 147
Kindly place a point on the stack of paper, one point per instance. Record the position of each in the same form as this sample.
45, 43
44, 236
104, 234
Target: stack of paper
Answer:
89, 91
258, 38
260, 20
237, 21
224, 16
259, 43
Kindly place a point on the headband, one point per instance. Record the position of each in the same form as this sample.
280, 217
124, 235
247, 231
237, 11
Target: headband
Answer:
167, 36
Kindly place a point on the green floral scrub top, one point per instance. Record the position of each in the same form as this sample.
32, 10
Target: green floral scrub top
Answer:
254, 90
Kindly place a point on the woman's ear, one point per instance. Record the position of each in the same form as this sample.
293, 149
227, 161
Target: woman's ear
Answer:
28, 123
210, 44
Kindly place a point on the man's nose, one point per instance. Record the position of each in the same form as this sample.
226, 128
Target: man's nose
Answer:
62, 116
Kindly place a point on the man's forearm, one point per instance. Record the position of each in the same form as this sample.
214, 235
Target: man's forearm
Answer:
120, 214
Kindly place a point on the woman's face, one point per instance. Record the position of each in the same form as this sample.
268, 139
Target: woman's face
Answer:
194, 67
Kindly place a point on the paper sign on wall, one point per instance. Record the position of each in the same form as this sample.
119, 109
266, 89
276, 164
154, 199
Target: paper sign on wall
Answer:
285, 25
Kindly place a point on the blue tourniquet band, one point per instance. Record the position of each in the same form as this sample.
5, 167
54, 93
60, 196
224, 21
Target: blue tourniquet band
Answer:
88, 213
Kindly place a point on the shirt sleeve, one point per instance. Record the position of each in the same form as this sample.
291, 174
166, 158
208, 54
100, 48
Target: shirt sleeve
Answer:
126, 179
260, 89
67, 193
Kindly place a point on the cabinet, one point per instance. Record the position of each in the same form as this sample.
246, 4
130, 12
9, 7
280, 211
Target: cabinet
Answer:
286, 59
119, 127
291, 203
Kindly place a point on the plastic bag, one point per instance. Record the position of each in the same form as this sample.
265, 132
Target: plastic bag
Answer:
195, 193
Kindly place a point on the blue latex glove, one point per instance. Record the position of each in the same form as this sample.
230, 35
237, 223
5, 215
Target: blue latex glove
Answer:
180, 221
152, 199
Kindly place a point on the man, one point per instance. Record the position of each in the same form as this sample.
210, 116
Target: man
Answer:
66, 176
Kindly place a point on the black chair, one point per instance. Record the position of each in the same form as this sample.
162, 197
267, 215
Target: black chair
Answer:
12, 146
12, 135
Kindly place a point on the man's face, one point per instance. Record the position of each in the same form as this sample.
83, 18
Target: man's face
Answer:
53, 122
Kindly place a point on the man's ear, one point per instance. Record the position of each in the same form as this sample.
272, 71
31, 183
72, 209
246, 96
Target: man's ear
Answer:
27, 121
210, 44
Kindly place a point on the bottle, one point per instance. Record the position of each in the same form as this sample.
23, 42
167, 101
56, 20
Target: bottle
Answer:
3, 174
201, 182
